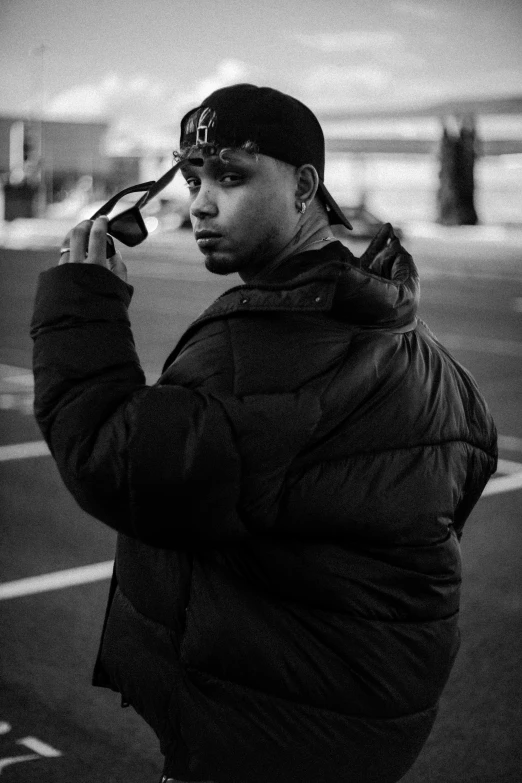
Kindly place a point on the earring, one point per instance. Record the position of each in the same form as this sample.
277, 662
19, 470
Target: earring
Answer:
302, 208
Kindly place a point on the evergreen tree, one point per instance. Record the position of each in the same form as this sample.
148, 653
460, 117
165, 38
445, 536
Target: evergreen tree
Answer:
457, 155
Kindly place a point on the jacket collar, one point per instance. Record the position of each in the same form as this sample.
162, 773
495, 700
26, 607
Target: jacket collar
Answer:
331, 281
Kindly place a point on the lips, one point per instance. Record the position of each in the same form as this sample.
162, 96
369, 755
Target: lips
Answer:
207, 238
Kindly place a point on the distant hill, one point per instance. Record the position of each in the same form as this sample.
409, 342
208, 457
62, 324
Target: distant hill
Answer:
503, 105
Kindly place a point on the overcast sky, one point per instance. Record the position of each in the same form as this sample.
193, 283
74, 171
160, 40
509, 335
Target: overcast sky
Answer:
154, 58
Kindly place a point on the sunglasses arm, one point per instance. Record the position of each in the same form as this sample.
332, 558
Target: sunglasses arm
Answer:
160, 184
111, 203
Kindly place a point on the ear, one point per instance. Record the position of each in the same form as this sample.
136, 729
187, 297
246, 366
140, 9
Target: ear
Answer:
307, 183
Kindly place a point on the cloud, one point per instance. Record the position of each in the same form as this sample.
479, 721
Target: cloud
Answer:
110, 97
142, 112
136, 108
490, 84
227, 72
382, 47
348, 41
417, 9
359, 79
332, 88
502, 81
82, 101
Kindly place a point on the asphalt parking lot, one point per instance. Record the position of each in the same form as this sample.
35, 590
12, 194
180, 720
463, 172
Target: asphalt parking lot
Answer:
55, 560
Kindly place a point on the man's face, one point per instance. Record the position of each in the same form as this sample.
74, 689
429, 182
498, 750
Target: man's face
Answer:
243, 209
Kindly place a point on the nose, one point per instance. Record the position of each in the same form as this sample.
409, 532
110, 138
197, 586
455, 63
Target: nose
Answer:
204, 204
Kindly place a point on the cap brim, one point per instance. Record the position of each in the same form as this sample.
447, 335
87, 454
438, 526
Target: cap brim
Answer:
335, 213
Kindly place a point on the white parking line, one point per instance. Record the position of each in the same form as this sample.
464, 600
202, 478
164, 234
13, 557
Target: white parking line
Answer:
42, 748
7, 762
26, 379
503, 484
57, 580
35, 448
507, 483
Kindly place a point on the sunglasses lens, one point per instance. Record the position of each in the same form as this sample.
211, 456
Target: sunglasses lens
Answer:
128, 227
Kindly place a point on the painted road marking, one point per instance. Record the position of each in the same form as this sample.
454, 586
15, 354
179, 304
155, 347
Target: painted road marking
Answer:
57, 580
16, 389
26, 379
35, 448
512, 479
17, 402
42, 748
15, 760
509, 466
15, 376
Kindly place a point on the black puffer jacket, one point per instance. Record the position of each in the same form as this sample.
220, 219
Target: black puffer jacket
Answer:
289, 497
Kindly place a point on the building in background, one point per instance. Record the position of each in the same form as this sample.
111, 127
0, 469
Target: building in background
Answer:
393, 160
389, 161
42, 162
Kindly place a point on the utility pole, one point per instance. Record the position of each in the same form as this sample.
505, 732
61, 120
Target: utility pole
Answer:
38, 53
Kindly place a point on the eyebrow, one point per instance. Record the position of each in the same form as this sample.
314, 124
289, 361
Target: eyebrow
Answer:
216, 163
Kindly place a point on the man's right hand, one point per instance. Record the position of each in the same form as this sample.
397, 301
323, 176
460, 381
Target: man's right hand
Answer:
87, 244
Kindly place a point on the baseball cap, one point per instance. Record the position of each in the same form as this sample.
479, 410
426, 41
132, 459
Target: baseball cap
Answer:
281, 127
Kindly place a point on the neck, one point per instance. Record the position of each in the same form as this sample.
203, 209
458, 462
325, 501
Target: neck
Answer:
310, 235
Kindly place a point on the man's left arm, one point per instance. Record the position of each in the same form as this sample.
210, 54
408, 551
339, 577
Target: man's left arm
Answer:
157, 463
83, 343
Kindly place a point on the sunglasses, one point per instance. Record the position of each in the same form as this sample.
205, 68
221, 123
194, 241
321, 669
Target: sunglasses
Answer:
128, 226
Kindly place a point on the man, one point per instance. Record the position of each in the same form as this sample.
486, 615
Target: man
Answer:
290, 495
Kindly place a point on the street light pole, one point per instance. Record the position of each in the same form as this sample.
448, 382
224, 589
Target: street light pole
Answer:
38, 112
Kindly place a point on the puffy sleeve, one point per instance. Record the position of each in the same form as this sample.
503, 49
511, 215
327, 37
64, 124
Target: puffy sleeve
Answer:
159, 463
